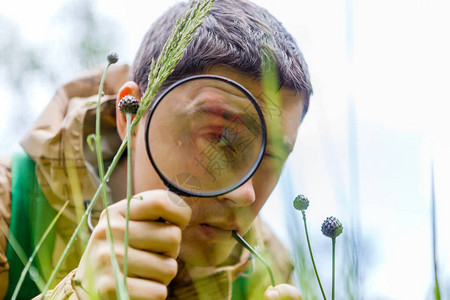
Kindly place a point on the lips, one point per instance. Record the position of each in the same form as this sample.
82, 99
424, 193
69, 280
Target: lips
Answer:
223, 226
217, 231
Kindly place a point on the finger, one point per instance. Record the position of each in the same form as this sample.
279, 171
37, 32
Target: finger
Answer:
155, 237
158, 204
145, 289
282, 292
152, 266
138, 288
158, 263
159, 237
141, 264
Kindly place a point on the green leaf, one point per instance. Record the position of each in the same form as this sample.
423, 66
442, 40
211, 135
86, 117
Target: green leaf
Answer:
28, 267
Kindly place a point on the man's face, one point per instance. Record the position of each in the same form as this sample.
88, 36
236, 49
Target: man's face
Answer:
207, 240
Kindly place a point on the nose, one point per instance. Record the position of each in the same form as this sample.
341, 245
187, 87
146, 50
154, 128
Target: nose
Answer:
243, 196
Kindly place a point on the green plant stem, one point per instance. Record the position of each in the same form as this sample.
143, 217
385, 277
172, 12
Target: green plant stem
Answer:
98, 149
86, 214
34, 273
35, 251
241, 241
125, 257
102, 188
333, 242
437, 293
311, 254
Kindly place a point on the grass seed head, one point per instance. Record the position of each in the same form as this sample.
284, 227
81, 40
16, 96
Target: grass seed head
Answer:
332, 227
113, 57
128, 105
301, 202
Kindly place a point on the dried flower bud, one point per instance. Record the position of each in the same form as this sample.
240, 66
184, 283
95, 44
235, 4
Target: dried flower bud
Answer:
113, 57
301, 202
128, 105
332, 227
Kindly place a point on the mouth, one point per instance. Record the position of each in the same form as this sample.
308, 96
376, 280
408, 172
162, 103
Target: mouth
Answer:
217, 231
223, 226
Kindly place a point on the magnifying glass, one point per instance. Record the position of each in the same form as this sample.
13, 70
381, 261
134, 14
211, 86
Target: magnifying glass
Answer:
205, 136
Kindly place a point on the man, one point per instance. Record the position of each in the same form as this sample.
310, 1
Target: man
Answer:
191, 255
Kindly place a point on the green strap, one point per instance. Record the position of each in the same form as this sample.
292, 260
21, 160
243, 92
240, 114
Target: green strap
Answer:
240, 288
31, 214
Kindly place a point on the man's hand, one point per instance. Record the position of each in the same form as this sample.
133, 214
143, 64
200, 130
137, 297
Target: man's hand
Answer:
154, 245
282, 292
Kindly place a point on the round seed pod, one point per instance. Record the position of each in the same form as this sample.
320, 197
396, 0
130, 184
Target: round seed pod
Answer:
128, 105
113, 57
332, 227
301, 202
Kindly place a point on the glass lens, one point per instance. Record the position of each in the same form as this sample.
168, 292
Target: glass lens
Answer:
205, 136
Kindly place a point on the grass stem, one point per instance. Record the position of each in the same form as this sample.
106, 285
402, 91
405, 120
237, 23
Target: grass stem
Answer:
311, 254
333, 242
34, 273
85, 216
98, 149
125, 257
437, 293
35, 251
241, 241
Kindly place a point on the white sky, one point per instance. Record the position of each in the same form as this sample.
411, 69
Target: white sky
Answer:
398, 80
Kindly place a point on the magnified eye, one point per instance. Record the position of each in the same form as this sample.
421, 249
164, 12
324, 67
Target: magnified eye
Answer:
223, 142
224, 137
209, 128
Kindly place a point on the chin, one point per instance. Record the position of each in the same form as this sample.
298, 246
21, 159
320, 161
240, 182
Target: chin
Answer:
203, 255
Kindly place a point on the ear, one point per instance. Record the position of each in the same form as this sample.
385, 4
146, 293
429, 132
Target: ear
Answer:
128, 88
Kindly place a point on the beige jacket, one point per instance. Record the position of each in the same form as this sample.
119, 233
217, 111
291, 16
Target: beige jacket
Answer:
66, 171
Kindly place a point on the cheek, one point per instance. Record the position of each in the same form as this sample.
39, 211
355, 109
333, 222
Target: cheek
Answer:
264, 181
144, 175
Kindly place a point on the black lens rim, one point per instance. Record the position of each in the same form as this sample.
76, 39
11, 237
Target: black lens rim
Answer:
179, 190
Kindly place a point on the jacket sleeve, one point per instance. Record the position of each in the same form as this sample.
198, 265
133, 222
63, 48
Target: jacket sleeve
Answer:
5, 215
